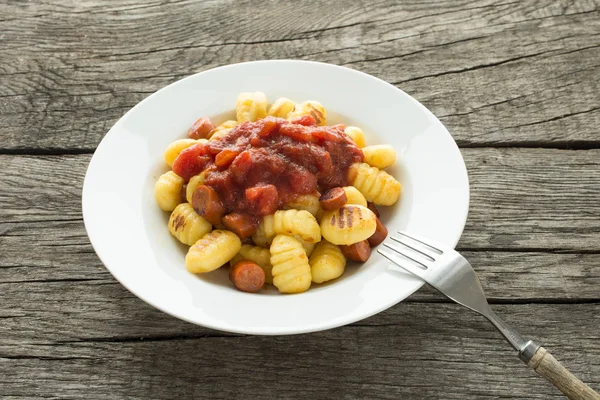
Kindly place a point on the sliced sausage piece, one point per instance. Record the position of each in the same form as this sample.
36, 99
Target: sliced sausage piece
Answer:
333, 199
242, 224
360, 251
201, 128
206, 203
247, 276
372, 207
379, 235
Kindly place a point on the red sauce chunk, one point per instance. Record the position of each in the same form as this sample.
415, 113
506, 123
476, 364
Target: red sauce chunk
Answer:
260, 166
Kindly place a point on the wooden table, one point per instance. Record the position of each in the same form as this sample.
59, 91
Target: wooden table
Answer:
516, 83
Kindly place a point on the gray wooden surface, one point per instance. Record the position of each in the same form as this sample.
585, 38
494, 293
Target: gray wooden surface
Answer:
517, 83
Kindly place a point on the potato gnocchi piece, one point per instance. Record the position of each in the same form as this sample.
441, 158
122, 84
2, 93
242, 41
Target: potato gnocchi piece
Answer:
291, 271
376, 185
167, 191
220, 134
251, 106
353, 196
212, 251
227, 125
349, 224
175, 148
327, 262
357, 135
193, 184
308, 247
307, 202
281, 108
187, 226
310, 107
260, 256
290, 222
260, 238
379, 156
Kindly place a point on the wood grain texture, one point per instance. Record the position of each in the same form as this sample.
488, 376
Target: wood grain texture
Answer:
496, 73
551, 369
515, 82
433, 351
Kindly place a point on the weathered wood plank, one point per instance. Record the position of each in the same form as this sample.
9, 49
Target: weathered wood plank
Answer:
54, 299
410, 351
509, 73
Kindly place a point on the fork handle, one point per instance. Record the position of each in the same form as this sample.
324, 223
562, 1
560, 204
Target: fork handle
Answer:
548, 367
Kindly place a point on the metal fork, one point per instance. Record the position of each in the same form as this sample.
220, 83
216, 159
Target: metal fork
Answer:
450, 273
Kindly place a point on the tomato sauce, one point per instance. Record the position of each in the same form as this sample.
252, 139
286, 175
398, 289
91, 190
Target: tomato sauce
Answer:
260, 166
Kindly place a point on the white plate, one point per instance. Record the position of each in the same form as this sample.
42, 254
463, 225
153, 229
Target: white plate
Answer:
129, 232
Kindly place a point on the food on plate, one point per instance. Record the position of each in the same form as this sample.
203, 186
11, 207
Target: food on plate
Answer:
357, 135
277, 194
380, 155
212, 251
291, 222
348, 224
260, 255
175, 148
307, 202
247, 276
379, 235
187, 226
376, 185
312, 108
291, 271
251, 107
201, 129
354, 196
327, 262
333, 199
281, 108
359, 251
193, 184
167, 191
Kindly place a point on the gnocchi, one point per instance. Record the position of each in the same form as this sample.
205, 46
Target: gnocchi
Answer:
299, 193
187, 226
291, 222
307, 202
380, 156
311, 107
357, 135
376, 185
167, 191
212, 251
327, 262
348, 224
251, 106
281, 108
354, 196
193, 184
291, 271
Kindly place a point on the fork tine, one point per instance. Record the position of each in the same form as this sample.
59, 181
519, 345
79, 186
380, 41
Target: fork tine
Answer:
405, 255
393, 258
424, 242
395, 239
